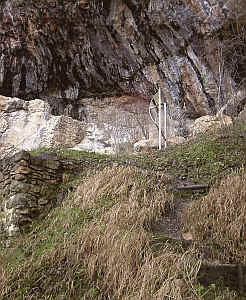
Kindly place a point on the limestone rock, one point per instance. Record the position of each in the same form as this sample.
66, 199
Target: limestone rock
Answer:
175, 140
3, 124
28, 125
32, 125
96, 140
17, 201
67, 132
242, 115
210, 123
145, 144
187, 236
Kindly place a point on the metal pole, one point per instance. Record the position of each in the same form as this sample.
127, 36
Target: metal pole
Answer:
160, 118
165, 120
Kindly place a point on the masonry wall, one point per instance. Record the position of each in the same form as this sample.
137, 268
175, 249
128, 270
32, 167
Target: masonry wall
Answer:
28, 189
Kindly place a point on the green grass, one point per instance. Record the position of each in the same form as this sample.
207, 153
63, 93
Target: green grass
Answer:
69, 153
204, 159
39, 248
68, 253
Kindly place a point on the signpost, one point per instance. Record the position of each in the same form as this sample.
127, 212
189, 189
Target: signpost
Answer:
160, 109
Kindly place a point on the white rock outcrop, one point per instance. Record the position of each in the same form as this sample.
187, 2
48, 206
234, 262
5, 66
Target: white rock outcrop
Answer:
97, 140
210, 123
28, 125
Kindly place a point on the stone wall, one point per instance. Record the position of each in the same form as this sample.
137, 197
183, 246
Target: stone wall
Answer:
28, 188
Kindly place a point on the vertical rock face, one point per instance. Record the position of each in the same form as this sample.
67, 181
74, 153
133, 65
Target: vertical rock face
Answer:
114, 124
74, 49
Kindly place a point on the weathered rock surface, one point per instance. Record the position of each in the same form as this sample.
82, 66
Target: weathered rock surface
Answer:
114, 124
210, 123
75, 49
28, 125
96, 140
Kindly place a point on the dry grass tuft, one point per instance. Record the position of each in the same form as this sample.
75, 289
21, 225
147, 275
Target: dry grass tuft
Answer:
138, 197
218, 220
116, 249
122, 264
99, 245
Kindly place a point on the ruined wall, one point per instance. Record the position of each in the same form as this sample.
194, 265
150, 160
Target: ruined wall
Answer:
28, 188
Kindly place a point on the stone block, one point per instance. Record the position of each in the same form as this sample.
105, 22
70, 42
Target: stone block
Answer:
18, 186
23, 211
19, 200
43, 201
13, 230
22, 155
21, 170
210, 123
23, 163
19, 177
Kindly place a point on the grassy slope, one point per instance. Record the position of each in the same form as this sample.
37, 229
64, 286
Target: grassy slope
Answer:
99, 244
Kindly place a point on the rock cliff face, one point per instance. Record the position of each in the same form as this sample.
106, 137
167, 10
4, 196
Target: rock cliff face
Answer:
76, 48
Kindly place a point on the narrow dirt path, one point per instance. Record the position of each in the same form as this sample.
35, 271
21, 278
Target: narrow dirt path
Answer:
171, 225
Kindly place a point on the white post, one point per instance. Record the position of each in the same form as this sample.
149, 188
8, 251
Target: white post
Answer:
165, 120
160, 122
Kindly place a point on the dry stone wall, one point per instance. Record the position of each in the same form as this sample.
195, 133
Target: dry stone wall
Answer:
28, 188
